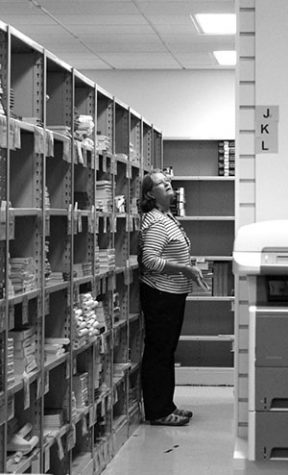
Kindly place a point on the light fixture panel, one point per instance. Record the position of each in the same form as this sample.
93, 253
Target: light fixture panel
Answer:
216, 23
225, 58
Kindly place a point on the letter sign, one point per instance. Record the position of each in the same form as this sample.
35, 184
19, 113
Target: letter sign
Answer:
267, 118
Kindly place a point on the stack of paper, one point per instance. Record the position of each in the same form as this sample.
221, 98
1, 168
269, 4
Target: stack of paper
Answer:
23, 274
83, 269
61, 129
103, 142
55, 346
103, 195
86, 324
53, 418
80, 388
24, 341
84, 126
107, 259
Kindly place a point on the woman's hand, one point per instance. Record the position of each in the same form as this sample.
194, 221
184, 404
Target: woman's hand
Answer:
194, 273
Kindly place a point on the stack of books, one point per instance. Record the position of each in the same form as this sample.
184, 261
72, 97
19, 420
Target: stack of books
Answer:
10, 361
22, 274
103, 142
107, 259
80, 388
226, 158
178, 204
103, 196
24, 341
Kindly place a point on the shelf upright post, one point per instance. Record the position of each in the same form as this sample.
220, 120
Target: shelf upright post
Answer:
41, 343
95, 279
6, 71
71, 97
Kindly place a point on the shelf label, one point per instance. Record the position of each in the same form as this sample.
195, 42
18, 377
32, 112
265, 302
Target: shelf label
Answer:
35, 465
60, 447
267, 120
46, 459
26, 391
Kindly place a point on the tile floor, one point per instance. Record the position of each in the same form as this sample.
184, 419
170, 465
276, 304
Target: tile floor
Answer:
204, 447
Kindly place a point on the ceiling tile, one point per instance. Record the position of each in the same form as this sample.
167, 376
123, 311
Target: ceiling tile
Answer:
127, 47
84, 61
196, 60
89, 7
142, 61
118, 39
108, 30
89, 19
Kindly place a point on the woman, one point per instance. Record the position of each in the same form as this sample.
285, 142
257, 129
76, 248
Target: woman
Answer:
166, 276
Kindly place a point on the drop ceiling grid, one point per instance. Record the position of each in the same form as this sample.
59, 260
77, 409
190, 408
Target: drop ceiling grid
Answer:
119, 34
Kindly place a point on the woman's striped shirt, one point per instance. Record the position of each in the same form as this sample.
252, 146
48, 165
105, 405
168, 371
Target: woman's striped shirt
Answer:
161, 239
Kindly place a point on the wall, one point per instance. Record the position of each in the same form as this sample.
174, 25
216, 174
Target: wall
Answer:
272, 89
194, 104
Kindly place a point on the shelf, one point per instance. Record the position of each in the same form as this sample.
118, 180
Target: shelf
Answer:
206, 218
25, 212
202, 178
211, 298
206, 338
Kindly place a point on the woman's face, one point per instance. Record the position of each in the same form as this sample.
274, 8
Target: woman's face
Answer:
162, 190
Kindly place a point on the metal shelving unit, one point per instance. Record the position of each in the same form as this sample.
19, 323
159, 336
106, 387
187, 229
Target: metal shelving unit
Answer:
70, 324
205, 350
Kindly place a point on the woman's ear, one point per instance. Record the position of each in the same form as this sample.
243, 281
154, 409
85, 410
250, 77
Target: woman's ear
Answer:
149, 194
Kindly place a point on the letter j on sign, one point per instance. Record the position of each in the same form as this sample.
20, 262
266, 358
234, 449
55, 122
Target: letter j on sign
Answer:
267, 120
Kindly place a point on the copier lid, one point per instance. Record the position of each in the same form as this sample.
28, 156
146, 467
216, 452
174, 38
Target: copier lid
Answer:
261, 246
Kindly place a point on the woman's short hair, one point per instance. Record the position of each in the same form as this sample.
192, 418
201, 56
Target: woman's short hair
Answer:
147, 203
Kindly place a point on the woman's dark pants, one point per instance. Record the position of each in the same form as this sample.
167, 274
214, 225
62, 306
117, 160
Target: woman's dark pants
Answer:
163, 317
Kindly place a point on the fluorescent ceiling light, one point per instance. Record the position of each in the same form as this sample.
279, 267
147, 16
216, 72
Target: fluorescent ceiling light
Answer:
216, 23
225, 58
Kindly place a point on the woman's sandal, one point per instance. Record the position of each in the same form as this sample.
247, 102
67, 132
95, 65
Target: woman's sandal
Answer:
170, 420
183, 413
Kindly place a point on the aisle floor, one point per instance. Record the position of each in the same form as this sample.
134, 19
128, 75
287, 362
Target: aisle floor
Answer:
204, 447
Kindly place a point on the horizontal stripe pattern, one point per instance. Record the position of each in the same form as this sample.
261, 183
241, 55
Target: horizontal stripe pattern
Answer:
161, 239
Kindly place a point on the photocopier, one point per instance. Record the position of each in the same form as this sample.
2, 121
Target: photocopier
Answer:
261, 254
